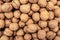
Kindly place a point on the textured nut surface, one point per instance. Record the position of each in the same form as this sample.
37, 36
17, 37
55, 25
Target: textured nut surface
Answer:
4, 38
23, 1
36, 17
16, 4
9, 15
53, 23
25, 8
57, 38
7, 23
41, 34
40, 2
21, 24
33, 1
20, 32
31, 28
50, 6
15, 20
1, 23
8, 32
24, 17
2, 16
51, 35
13, 26
30, 21
17, 13
6, 7
42, 24
51, 15
44, 15
18, 38
27, 36
57, 12
35, 7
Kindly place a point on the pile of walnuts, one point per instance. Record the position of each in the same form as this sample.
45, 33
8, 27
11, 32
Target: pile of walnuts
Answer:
29, 19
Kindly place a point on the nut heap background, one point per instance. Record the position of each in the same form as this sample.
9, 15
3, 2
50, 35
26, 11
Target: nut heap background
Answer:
29, 19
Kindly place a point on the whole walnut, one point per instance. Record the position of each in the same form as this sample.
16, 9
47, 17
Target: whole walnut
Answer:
41, 34
15, 4
42, 24
21, 24
50, 6
51, 35
24, 17
51, 15
7, 7
25, 8
36, 17
53, 23
17, 14
8, 15
44, 15
8, 32
31, 28
30, 21
13, 26
42, 3
4, 37
20, 32
35, 7
7, 22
